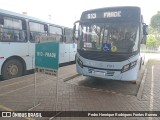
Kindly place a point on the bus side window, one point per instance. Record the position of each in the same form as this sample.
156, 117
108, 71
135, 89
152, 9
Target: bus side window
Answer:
68, 35
61, 39
1, 27
56, 32
31, 36
36, 30
16, 35
5, 35
22, 35
1, 32
11, 29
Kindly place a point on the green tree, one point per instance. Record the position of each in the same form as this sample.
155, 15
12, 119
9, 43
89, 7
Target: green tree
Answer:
155, 22
151, 30
155, 29
152, 42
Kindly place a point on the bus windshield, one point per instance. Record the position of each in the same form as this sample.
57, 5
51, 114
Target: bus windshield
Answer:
108, 37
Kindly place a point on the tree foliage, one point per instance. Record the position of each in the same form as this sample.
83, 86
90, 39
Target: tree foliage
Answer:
151, 30
155, 22
154, 37
152, 42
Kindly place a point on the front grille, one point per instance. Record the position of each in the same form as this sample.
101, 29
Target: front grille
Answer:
102, 56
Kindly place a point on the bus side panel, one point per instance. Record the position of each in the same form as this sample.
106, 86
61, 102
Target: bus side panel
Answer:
64, 53
29, 62
10, 49
72, 50
67, 52
1, 63
61, 53
31, 56
15, 49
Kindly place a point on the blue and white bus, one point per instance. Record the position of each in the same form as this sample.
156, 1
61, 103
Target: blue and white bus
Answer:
18, 34
108, 43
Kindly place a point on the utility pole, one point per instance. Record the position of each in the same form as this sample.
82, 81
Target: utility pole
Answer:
24, 13
50, 17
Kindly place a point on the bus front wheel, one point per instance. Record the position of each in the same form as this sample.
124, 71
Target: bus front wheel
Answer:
12, 68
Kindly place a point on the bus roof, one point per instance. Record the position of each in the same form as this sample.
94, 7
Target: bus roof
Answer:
14, 14
113, 8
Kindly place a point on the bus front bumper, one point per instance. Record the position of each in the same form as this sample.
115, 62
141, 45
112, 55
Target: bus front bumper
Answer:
130, 75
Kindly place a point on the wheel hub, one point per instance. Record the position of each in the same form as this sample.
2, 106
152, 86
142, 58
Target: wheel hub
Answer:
12, 70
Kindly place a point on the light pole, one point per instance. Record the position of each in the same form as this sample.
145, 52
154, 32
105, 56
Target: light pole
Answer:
50, 17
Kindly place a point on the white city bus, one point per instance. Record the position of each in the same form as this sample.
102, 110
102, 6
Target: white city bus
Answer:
108, 43
18, 34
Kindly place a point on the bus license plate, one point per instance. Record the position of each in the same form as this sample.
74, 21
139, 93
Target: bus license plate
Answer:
99, 73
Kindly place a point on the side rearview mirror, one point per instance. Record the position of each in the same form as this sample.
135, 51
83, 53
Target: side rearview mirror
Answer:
145, 29
145, 33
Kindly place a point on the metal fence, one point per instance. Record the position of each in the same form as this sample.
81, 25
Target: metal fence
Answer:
150, 50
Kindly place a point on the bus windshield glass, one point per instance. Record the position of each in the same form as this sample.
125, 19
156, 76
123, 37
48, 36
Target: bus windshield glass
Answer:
108, 37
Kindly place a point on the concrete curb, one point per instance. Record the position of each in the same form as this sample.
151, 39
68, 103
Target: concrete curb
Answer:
71, 77
140, 91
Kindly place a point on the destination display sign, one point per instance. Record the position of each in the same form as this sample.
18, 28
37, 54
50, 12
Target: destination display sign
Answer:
47, 58
115, 13
43, 38
105, 15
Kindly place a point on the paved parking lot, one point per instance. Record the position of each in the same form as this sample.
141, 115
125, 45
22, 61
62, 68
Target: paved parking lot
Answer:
112, 86
19, 95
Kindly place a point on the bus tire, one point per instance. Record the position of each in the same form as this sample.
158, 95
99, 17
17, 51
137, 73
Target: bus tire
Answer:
140, 65
12, 68
143, 61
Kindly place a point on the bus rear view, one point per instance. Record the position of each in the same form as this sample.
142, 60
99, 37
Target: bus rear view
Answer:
109, 43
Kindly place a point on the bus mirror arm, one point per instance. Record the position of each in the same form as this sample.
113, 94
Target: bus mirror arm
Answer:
74, 28
75, 37
145, 33
76, 22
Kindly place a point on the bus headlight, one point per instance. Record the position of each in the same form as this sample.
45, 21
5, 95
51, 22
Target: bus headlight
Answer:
79, 62
129, 66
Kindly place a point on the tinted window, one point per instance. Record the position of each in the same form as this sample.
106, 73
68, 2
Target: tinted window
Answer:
11, 29
68, 35
56, 32
12, 23
36, 30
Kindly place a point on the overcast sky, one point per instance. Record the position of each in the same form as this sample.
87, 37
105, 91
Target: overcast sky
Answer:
65, 12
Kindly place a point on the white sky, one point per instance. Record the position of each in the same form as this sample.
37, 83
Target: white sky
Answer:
66, 12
